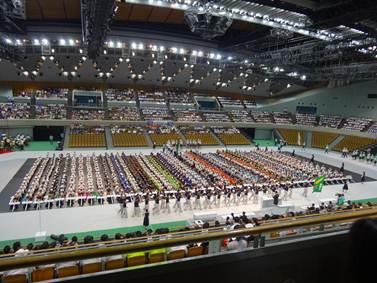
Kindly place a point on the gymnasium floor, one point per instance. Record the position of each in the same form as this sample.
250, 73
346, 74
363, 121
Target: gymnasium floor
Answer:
20, 225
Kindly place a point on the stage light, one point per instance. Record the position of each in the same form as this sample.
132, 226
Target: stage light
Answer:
8, 41
51, 58
182, 51
100, 74
200, 53
65, 74
218, 56
119, 44
211, 55
174, 49
303, 77
288, 85
36, 41
83, 58
230, 58
34, 73
141, 46
45, 41
194, 53
110, 44
71, 42
25, 73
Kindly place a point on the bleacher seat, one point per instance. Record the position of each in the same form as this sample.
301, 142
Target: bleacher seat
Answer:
87, 140
42, 274
162, 138
291, 136
233, 139
320, 140
205, 138
129, 140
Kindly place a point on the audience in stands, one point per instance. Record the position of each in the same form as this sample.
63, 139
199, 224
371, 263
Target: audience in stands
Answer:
329, 121
124, 113
356, 123
306, 119
12, 111
51, 111
91, 114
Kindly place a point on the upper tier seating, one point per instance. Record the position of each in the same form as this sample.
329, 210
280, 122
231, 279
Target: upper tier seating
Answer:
187, 116
306, 119
180, 97
120, 95
199, 133
292, 136
249, 103
162, 136
320, 140
229, 102
215, 117
124, 113
52, 93
262, 117
51, 111
356, 123
14, 111
151, 97
128, 137
241, 116
373, 128
353, 142
88, 114
87, 137
156, 114
231, 136
329, 121
282, 117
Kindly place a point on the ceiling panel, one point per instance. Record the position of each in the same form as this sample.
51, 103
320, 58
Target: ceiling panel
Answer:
140, 13
124, 11
32, 10
159, 14
53, 9
175, 17
72, 9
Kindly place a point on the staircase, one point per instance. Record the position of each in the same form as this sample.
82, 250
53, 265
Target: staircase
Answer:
109, 138
336, 141
216, 137
308, 138
181, 136
148, 139
66, 138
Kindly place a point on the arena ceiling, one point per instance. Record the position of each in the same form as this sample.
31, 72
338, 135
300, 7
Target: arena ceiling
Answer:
270, 47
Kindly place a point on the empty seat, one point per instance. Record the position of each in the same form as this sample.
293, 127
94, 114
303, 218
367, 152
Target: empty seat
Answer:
158, 255
17, 278
114, 264
67, 271
195, 251
91, 267
135, 259
42, 273
176, 254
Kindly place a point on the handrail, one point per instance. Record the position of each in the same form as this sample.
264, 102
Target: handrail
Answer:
74, 255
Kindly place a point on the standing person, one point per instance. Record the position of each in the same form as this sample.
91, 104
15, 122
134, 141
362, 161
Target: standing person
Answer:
363, 177
345, 187
293, 153
342, 168
146, 219
276, 198
327, 148
303, 145
124, 209
305, 194
51, 139
136, 207
312, 160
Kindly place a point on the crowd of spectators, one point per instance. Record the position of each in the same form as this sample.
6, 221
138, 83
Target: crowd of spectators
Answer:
216, 117
51, 111
156, 114
241, 116
92, 114
124, 113
151, 97
282, 118
13, 111
120, 94
262, 116
61, 93
187, 116
373, 128
179, 97
227, 102
8, 142
356, 123
330, 121
306, 119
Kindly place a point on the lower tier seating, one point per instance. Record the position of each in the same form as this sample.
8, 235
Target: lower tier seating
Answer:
235, 139
292, 136
87, 140
204, 138
320, 140
352, 143
129, 140
163, 138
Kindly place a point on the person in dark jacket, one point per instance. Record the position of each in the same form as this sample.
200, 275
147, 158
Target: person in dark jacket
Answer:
363, 177
276, 198
345, 187
146, 219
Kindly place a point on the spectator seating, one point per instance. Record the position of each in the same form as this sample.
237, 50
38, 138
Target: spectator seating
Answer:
329, 121
282, 118
306, 119
292, 136
51, 111
52, 93
373, 128
215, 117
353, 142
124, 113
231, 136
187, 116
88, 114
128, 137
262, 117
162, 136
156, 114
249, 103
120, 95
13, 111
356, 123
228, 102
87, 137
241, 116
151, 97
179, 97
200, 133
320, 140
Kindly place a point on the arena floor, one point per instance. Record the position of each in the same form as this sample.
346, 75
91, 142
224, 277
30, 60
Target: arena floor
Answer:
92, 218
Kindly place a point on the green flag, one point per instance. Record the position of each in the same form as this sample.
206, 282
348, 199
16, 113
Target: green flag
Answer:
318, 184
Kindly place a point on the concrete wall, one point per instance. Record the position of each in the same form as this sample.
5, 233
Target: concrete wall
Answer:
263, 134
17, 130
346, 101
5, 92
